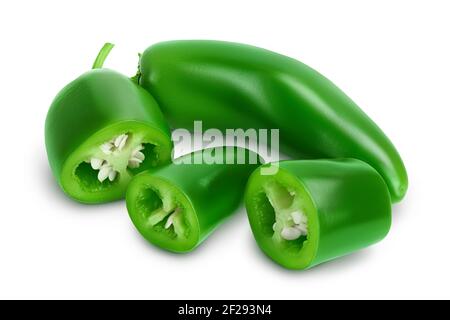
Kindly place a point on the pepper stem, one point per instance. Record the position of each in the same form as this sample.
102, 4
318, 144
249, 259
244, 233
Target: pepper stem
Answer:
102, 55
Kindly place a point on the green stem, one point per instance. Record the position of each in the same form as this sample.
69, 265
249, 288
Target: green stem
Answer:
102, 55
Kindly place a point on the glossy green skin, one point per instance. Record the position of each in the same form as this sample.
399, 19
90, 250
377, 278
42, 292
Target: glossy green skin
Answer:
208, 193
100, 104
229, 85
349, 209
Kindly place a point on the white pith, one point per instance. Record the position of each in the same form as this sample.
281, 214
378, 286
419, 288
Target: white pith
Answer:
291, 222
171, 213
112, 151
171, 218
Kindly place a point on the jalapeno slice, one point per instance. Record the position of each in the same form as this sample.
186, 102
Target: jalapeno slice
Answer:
312, 211
177, 206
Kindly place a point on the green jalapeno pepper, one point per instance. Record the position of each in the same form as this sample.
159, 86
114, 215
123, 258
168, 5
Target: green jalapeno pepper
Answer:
312, 211
178, 205
228, 85
101, 129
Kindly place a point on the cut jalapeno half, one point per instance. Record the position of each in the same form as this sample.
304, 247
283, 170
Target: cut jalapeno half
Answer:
177, 206
312, 211
102, 129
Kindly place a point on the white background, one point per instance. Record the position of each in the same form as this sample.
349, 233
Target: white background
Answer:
391, 57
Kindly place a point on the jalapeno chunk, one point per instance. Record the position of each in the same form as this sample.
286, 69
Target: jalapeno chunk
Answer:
312, 211
178, 205
102, 129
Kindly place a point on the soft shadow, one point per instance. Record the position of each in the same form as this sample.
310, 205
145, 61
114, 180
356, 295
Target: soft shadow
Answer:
400, 210
224, 230
153, 249
336, 265
51, 189
209, 244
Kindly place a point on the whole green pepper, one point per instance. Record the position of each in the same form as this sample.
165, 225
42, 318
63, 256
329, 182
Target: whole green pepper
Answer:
178, 205
313, 211
101, 129
229, 85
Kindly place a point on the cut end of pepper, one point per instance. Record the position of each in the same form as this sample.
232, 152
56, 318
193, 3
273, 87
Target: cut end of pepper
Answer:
162, 213
103, 166
283, 218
